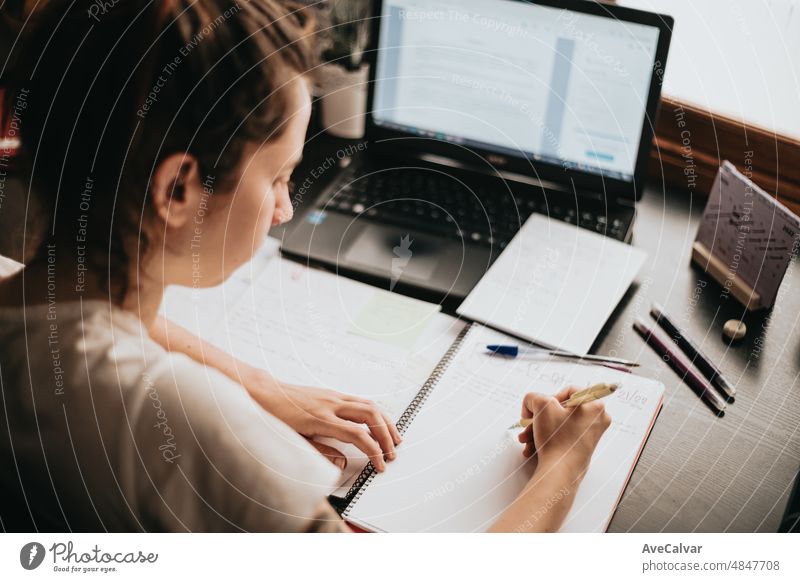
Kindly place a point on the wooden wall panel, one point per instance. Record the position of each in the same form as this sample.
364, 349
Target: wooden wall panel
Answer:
691, 143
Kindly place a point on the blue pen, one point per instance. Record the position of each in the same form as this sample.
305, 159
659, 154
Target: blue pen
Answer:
515, 351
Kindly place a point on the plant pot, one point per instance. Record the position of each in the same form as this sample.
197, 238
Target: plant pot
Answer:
343, 100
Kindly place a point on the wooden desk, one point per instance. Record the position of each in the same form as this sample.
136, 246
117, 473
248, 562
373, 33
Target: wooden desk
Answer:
697, 473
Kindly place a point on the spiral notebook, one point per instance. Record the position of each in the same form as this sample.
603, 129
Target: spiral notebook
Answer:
459, 466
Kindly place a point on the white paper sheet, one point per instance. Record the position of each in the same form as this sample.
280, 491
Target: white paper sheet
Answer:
555, 284
313, 328
460, 467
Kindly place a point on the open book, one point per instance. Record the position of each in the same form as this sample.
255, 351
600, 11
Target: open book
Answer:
458, 467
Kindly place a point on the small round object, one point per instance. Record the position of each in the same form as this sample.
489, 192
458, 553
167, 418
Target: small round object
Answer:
734, 330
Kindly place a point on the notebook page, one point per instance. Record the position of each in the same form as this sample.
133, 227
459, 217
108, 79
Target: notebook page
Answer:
459, 466
312, 328
555, 284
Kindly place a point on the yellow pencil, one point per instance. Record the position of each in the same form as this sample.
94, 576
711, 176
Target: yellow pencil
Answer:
582, 397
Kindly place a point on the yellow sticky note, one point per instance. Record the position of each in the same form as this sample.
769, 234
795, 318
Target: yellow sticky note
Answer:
393, 319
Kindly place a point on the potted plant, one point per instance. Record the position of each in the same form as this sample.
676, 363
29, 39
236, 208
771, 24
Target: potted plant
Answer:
342, 82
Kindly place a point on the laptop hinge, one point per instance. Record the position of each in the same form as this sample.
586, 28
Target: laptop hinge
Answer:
505, 174
514, 177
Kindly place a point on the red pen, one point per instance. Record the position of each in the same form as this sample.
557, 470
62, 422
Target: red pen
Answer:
681, 367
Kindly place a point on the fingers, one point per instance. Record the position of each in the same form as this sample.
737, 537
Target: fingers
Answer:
533, 403
354, 434
595, 408
597, 411
605, 419
526, 437
392, 429
565, 393
351, 398
333, 455
530, 449
557, 430
396, 438
347, 412
378, 427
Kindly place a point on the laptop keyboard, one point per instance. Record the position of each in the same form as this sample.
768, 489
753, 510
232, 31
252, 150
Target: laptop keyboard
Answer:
434, 202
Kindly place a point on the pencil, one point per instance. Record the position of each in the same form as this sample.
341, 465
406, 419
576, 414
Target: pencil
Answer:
589, 394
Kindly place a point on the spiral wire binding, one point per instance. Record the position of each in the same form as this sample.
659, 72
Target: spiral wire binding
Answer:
368, 473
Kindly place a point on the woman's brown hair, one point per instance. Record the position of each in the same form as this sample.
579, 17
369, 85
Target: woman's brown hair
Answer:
111, 88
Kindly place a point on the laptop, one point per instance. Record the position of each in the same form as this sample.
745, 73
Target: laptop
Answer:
479, 114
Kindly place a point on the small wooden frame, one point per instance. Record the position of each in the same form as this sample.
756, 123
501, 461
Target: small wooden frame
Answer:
720, 272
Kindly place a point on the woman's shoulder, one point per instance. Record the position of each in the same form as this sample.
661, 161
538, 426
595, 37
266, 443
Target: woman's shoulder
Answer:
74, 344
92, 343
188, 445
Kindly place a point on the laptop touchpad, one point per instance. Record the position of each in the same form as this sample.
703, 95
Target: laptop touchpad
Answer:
401, 254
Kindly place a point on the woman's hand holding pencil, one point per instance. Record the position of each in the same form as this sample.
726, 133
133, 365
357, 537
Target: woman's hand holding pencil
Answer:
589, 394
563, 440
559, 435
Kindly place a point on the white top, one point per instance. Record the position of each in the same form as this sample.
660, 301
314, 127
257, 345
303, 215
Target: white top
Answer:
102, 429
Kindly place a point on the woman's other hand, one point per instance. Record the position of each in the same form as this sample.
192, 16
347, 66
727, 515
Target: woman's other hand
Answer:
318, 412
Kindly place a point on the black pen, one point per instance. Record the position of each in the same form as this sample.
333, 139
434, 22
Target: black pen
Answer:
681, 368
709, 370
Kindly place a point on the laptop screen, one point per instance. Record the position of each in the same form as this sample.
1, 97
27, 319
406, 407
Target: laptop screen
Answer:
548, 84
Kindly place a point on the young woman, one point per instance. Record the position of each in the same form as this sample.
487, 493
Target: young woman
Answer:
159, 139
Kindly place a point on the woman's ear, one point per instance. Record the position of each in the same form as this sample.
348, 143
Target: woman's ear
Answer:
176, 189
